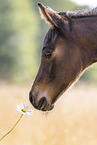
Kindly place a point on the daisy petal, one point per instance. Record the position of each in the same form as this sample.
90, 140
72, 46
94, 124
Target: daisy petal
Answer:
19, 107
27, 107
29, 113
22, 105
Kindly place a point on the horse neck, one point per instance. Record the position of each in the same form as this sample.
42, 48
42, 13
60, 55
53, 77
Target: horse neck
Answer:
84, 33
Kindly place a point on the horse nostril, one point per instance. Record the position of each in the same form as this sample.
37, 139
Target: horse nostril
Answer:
31, 98
42, 103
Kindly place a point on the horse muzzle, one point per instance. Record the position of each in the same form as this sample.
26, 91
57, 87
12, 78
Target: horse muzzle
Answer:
42, 104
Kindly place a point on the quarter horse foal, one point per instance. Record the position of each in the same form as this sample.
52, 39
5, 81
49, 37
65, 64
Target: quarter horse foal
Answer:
70, 46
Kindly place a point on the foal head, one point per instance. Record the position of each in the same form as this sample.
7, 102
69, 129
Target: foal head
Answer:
60, 62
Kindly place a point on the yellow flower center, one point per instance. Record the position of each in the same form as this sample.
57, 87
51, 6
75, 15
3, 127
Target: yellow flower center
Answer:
24, 110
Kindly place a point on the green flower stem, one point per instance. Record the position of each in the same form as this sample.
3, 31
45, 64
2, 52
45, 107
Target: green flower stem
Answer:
12, 128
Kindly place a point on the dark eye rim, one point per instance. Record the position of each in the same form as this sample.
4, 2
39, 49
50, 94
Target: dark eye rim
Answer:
47, 54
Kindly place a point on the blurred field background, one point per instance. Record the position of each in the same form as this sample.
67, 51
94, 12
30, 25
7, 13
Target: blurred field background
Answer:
73, 121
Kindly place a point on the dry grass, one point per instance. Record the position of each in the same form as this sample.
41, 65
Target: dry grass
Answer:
72, 122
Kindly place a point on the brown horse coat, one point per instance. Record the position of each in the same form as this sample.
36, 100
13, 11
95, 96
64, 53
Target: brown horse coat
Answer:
70, 46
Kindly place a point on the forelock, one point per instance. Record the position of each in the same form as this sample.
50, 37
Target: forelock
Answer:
51, 37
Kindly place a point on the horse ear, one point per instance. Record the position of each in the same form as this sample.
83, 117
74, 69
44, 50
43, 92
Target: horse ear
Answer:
52, 17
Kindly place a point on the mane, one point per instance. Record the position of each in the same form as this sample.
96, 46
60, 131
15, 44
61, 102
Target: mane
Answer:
79, 13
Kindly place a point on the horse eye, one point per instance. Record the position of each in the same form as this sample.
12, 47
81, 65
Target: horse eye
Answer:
47, 54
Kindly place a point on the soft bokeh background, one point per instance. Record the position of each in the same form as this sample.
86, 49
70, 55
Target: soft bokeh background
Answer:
73, 121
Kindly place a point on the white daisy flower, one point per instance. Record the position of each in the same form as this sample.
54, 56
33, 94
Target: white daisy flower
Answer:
23, 109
